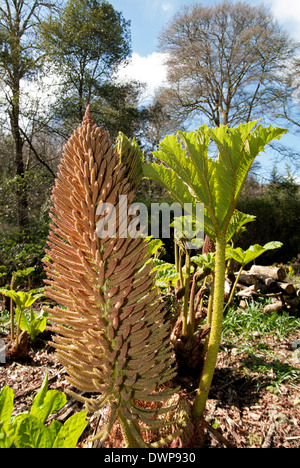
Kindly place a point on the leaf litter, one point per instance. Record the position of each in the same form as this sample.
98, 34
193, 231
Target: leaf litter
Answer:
244, 405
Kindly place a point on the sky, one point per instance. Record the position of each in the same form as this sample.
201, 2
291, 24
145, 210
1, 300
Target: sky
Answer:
148, 19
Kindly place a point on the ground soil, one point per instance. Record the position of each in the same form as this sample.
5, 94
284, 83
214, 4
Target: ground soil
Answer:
241, 406
248, 409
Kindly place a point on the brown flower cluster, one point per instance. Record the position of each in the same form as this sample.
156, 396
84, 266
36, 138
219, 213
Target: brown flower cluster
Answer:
110, 330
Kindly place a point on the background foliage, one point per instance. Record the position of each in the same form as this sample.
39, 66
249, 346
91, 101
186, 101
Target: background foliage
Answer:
56, 58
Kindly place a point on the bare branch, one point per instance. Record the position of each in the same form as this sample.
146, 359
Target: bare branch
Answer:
44, 163
225, 62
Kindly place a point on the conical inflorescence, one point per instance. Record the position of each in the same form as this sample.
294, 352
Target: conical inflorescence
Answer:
110, 330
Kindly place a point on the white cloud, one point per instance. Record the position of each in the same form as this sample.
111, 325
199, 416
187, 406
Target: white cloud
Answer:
287, 13
167, 6
296, 180
149, 70
161, 5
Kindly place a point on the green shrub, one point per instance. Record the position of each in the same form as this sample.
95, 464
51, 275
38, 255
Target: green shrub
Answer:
277, 214
29, 430
19, 251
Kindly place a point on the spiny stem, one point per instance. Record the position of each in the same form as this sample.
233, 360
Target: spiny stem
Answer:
234, 286
186, 293
209, 316
12, 312
200, 306
12, 320
18, 328
211, 301
176, 254
216, 330
191, 324
180, 266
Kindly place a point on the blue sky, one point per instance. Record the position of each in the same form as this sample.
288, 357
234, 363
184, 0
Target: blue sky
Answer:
149, 17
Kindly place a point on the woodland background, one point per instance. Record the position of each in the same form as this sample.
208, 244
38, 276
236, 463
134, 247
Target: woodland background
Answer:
227, 65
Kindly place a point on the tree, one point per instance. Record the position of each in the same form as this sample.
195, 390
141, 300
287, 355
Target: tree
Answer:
20, 59
117, 108
289, 97
86, 41
225, 63
159, 123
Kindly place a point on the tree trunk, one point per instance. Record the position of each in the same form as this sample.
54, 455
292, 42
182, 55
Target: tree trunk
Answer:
20, 184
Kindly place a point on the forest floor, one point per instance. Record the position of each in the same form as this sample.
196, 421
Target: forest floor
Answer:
254, 400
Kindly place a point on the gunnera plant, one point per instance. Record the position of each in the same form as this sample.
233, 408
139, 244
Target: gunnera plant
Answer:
111, 335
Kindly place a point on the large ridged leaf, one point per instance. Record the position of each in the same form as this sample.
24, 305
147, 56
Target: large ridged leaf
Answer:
189, 173
237, 225
187, 170
111, 334
246, 256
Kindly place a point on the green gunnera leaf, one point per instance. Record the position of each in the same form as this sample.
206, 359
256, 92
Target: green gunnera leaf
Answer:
191, 174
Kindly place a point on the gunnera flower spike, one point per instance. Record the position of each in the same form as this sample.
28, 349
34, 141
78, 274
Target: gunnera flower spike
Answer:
111, 335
